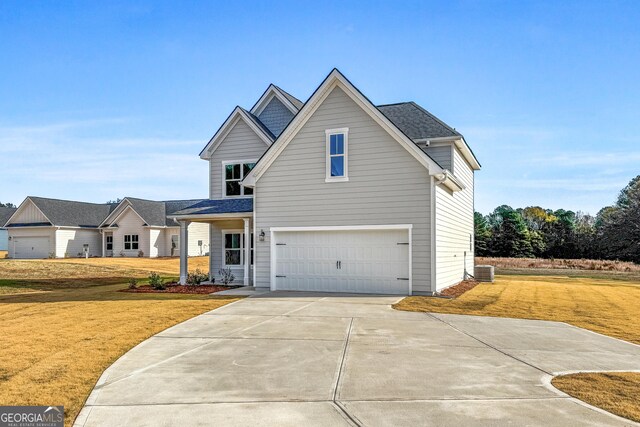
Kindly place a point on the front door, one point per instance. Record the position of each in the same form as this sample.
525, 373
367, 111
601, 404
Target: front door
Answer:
109, 244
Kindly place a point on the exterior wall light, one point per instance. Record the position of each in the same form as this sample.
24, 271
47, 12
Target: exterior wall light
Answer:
261, 235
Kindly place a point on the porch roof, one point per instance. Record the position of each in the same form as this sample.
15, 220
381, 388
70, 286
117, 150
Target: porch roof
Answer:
214, 208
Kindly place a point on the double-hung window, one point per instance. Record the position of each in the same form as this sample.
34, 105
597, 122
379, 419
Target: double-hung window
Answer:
109, 243
234, 173
337, 155
234, 248
130, 242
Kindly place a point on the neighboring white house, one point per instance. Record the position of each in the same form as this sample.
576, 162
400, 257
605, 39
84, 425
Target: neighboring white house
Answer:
42, 228
5, 214
337, 194
138, 227
47, 228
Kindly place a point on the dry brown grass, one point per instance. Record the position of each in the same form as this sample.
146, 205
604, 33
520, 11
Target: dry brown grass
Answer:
608, 306
571, 264
3, 254
57, 342
616, 392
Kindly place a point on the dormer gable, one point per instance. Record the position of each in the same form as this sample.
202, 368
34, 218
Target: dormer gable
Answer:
276, 108
238, 114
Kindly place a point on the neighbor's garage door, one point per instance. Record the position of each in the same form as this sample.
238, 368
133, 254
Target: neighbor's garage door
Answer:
363, 261
31, 247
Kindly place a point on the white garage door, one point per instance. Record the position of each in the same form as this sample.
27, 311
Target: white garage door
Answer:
362, 261
31, 247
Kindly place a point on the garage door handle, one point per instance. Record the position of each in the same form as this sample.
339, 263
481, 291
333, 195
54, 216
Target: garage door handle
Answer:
402, 278
402, 243
280, 276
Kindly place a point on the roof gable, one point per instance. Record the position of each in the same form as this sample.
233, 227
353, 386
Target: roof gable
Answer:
65, 213
275, 116
333, 80
152, 213
288, 100
236, 115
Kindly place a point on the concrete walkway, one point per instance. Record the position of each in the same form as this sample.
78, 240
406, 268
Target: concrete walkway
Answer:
292, 359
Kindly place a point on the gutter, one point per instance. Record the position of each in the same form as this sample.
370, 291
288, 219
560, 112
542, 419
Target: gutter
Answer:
447, 179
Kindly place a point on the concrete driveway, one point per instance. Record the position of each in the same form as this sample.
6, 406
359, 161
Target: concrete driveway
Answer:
292, 359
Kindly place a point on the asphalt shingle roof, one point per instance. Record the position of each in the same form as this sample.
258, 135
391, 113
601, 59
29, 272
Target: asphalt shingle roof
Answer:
416, 122
73, 214
208, 207
5, 214
155, 213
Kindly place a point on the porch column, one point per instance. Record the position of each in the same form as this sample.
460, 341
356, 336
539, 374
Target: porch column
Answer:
184, 251
247, 251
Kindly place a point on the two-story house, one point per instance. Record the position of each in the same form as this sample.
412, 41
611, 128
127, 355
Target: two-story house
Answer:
337, 194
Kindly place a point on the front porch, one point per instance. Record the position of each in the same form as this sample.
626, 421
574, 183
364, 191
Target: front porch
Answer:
231, 240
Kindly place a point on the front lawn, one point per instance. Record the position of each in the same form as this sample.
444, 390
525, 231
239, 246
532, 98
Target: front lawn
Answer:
590, 300
62, 324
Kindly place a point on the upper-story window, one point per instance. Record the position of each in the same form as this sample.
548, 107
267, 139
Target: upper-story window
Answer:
337, 142
234, 173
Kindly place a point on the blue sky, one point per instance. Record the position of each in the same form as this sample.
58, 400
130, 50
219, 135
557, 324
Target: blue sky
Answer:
100, 100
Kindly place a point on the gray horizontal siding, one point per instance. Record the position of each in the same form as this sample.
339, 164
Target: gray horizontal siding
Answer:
441, 154
241, 143
454, 225
386, 185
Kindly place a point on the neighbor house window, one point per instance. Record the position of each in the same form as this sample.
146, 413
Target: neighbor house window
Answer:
234, 248
337, 161
130, 242
234, 173
109, 243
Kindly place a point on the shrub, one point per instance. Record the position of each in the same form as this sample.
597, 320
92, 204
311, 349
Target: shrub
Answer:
140, 254
52, 255
197, 277
226, 276
156, 282
133, 283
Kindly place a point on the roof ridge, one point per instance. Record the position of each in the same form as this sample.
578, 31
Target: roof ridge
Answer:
394, 103
65, 200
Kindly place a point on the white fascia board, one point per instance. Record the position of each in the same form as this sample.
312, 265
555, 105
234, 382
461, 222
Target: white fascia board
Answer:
336, 79
27, 200
271, 92
227, 126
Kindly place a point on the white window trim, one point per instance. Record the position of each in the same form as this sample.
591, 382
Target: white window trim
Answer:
124, 242
224, 178
224, 258
327, 159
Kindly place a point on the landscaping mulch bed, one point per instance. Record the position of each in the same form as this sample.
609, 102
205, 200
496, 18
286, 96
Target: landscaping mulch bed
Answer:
459, 289
180, 289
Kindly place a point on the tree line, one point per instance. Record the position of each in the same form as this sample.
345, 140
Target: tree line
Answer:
614, 233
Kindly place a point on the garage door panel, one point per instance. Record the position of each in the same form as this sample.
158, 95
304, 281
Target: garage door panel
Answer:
31, 247
370, 261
